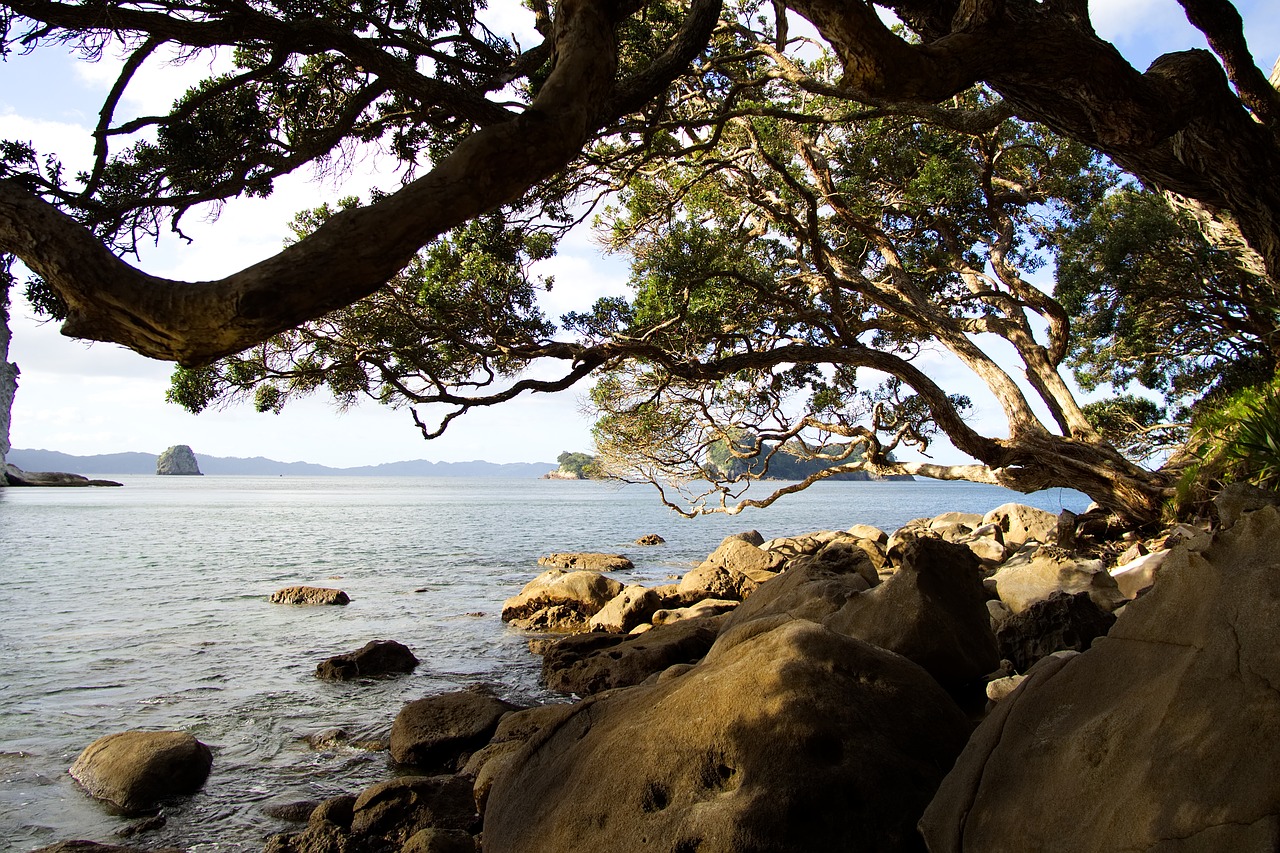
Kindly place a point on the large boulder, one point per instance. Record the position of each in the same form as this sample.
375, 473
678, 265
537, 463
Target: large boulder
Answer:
932, 610
310, 595
1161, 737
1059, 623
787, 737
373, 659
436, 734
575, 597
177, 461
1019, 524
135, 770
589, 663
1038, 571
720, 582
400, 807
586, 561
516, 729
741, 554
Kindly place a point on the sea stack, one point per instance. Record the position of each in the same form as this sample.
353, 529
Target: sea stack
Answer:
178, 460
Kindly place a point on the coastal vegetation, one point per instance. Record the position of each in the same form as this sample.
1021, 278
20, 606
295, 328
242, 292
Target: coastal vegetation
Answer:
824, 227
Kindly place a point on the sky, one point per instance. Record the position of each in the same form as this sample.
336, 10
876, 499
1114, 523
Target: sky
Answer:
87, 399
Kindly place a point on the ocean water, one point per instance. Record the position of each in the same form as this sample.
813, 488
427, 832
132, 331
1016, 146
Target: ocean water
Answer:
145, 607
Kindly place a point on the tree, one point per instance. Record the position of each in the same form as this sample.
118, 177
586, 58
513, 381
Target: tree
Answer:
424, 81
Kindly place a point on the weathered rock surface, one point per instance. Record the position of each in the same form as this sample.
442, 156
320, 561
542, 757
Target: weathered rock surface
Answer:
651, 539
629, 608
515, 729
375, 658
177, 461
587, 562
318, 595
932, 611
400, 807
1019, 524
1035, 573
704, 609
787, 737
589, 663
435, 733
1059, 623
135, 770
720, 582
1138, 574
743, 557
573, 596
1159, 738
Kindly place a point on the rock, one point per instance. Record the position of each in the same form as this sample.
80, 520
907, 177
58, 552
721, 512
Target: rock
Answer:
812, 588
590, 663
987, 550
135, 770
587, 562
1237, 499
629, 608
295, 812
1035, 573
1159, 738
1000, 688
704, 609
147, 824
751, 537
11, 475
790, 739
1133, 552
401, 807
95, 847
956, 526
516, 729
1138, 574
932, 611
375, 658
434, 733
1019, 524
1188, 536
742, 557
867, 531
807, 544
440, 841
373, 740
577, 595
309, 595
1059, 623
178, 461
718, 582
651, 539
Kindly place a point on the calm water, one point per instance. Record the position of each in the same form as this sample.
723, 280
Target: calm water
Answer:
146, 607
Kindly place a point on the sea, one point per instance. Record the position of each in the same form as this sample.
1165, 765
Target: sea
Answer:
146, 607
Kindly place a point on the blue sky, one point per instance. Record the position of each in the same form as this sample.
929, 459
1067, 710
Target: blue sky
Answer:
88, 399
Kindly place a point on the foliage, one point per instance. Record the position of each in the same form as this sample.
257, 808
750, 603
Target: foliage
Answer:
1238, 440
580, 465
1155, 303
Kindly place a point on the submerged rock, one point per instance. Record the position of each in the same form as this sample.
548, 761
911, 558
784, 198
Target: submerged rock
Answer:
178, 460
135, 770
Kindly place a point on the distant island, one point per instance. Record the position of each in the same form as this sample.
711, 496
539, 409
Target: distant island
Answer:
145, 463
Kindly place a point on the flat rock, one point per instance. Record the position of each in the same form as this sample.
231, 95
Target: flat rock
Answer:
310, 595
135, 770
590, 663
587, 561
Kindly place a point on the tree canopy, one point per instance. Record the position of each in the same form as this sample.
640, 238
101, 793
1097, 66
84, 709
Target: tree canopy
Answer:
797, 211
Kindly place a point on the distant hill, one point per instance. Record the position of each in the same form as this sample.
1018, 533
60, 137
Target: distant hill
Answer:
145, 463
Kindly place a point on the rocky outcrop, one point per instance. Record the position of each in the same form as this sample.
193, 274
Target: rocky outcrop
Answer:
11, 475
787, 737
310, 595
1160, 737
651, 539
135, 770
585, 561
177, 461
559, 600
375, 658
435, 733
